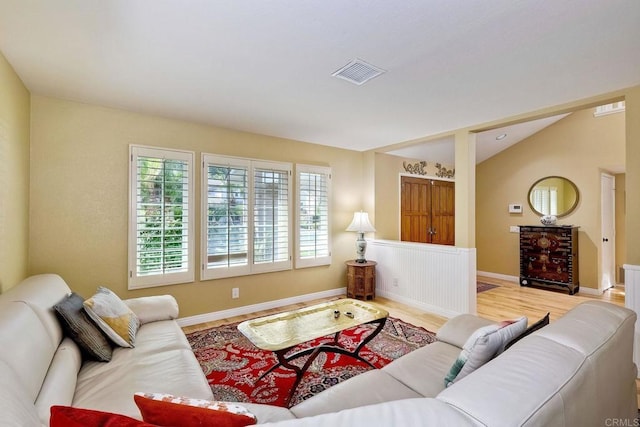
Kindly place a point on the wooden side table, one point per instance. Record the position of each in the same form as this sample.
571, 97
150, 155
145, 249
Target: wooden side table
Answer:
361, 280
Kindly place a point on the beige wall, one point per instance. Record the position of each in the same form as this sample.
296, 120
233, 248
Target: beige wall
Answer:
632, 205
79, 173
577, 147
14, 177
388, 169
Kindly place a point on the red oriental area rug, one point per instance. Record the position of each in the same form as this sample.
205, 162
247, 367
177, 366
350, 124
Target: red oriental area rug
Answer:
233, 364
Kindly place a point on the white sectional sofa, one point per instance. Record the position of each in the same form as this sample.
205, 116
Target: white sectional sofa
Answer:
576, 371
39, 367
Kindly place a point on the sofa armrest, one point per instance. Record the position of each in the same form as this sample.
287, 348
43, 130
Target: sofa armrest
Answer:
459, 328
406, 412
154, 308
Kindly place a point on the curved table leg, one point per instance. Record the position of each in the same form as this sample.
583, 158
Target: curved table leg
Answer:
283, 360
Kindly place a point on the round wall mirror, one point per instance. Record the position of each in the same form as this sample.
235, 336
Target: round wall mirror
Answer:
553, 195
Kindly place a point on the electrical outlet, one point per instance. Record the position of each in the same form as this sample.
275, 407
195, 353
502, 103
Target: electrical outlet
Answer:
235, 293
514, 229
395, 282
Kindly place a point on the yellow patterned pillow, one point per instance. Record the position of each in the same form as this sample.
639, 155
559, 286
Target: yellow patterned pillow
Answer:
113, 317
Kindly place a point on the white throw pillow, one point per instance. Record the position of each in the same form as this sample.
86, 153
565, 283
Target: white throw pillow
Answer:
113, 317
153, 308
483, 345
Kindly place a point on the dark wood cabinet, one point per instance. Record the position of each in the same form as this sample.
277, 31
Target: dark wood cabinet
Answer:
549, 257
361, 280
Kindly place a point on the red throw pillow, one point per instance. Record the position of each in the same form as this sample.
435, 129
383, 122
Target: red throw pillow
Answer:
66, 416
171, 411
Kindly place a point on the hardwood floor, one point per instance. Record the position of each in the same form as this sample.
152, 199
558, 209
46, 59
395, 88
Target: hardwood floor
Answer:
508, 300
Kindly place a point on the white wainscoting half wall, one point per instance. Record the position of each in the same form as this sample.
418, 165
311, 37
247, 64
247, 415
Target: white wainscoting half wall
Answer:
632, 301
434, 278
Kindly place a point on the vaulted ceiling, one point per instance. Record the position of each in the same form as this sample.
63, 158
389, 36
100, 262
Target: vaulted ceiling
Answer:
266, 66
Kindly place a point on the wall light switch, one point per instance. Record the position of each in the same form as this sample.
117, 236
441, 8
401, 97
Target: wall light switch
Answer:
514, 229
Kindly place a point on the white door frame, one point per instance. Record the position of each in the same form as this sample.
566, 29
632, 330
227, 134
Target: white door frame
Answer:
608, 232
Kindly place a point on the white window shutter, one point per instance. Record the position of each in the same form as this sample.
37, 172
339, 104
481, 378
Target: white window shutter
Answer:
313, 226
161, 217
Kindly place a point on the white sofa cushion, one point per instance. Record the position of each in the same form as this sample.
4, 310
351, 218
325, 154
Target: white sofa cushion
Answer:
16, 407
161, 362
458, 329
499, 396
26, 345
365, 389
60, 383
407, 412
423, 369
41, 292
268, 413
158, 336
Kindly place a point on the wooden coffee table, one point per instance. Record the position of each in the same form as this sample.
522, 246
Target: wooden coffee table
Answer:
283, 331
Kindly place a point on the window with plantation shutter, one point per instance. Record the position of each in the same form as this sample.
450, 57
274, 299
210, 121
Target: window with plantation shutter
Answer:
271, 218
161, 217
246, 217
313, 237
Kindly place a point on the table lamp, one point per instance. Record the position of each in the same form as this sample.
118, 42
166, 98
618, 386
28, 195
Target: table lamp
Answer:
361, 225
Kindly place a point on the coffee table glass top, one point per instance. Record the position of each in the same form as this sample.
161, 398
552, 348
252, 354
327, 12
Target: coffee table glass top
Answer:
283, 330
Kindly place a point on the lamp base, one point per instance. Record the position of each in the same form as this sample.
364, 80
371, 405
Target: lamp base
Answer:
361, 248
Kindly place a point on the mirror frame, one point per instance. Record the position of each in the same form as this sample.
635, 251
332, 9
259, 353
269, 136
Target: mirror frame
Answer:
568, 211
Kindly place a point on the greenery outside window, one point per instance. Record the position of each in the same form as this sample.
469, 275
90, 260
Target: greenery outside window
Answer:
246, 215
313, 237
160, 217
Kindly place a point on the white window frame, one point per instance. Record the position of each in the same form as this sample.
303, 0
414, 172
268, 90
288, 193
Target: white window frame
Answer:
615, 107
136, 281
316, 260
209, 273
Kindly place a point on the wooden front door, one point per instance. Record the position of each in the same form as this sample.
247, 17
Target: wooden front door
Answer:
427, 211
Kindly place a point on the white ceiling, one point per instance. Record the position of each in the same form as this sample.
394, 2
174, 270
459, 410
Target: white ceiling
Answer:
265, 66
442, 149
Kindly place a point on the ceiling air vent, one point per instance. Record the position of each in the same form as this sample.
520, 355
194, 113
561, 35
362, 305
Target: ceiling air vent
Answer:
358, 72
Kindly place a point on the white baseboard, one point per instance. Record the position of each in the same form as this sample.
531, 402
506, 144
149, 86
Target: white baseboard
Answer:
432, 309
508, 278
239, 311
589, 291
516, 279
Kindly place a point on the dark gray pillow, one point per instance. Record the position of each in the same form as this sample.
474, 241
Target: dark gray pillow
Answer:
531, 329
81, 329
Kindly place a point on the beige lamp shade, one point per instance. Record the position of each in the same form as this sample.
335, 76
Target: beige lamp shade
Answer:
361, 223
